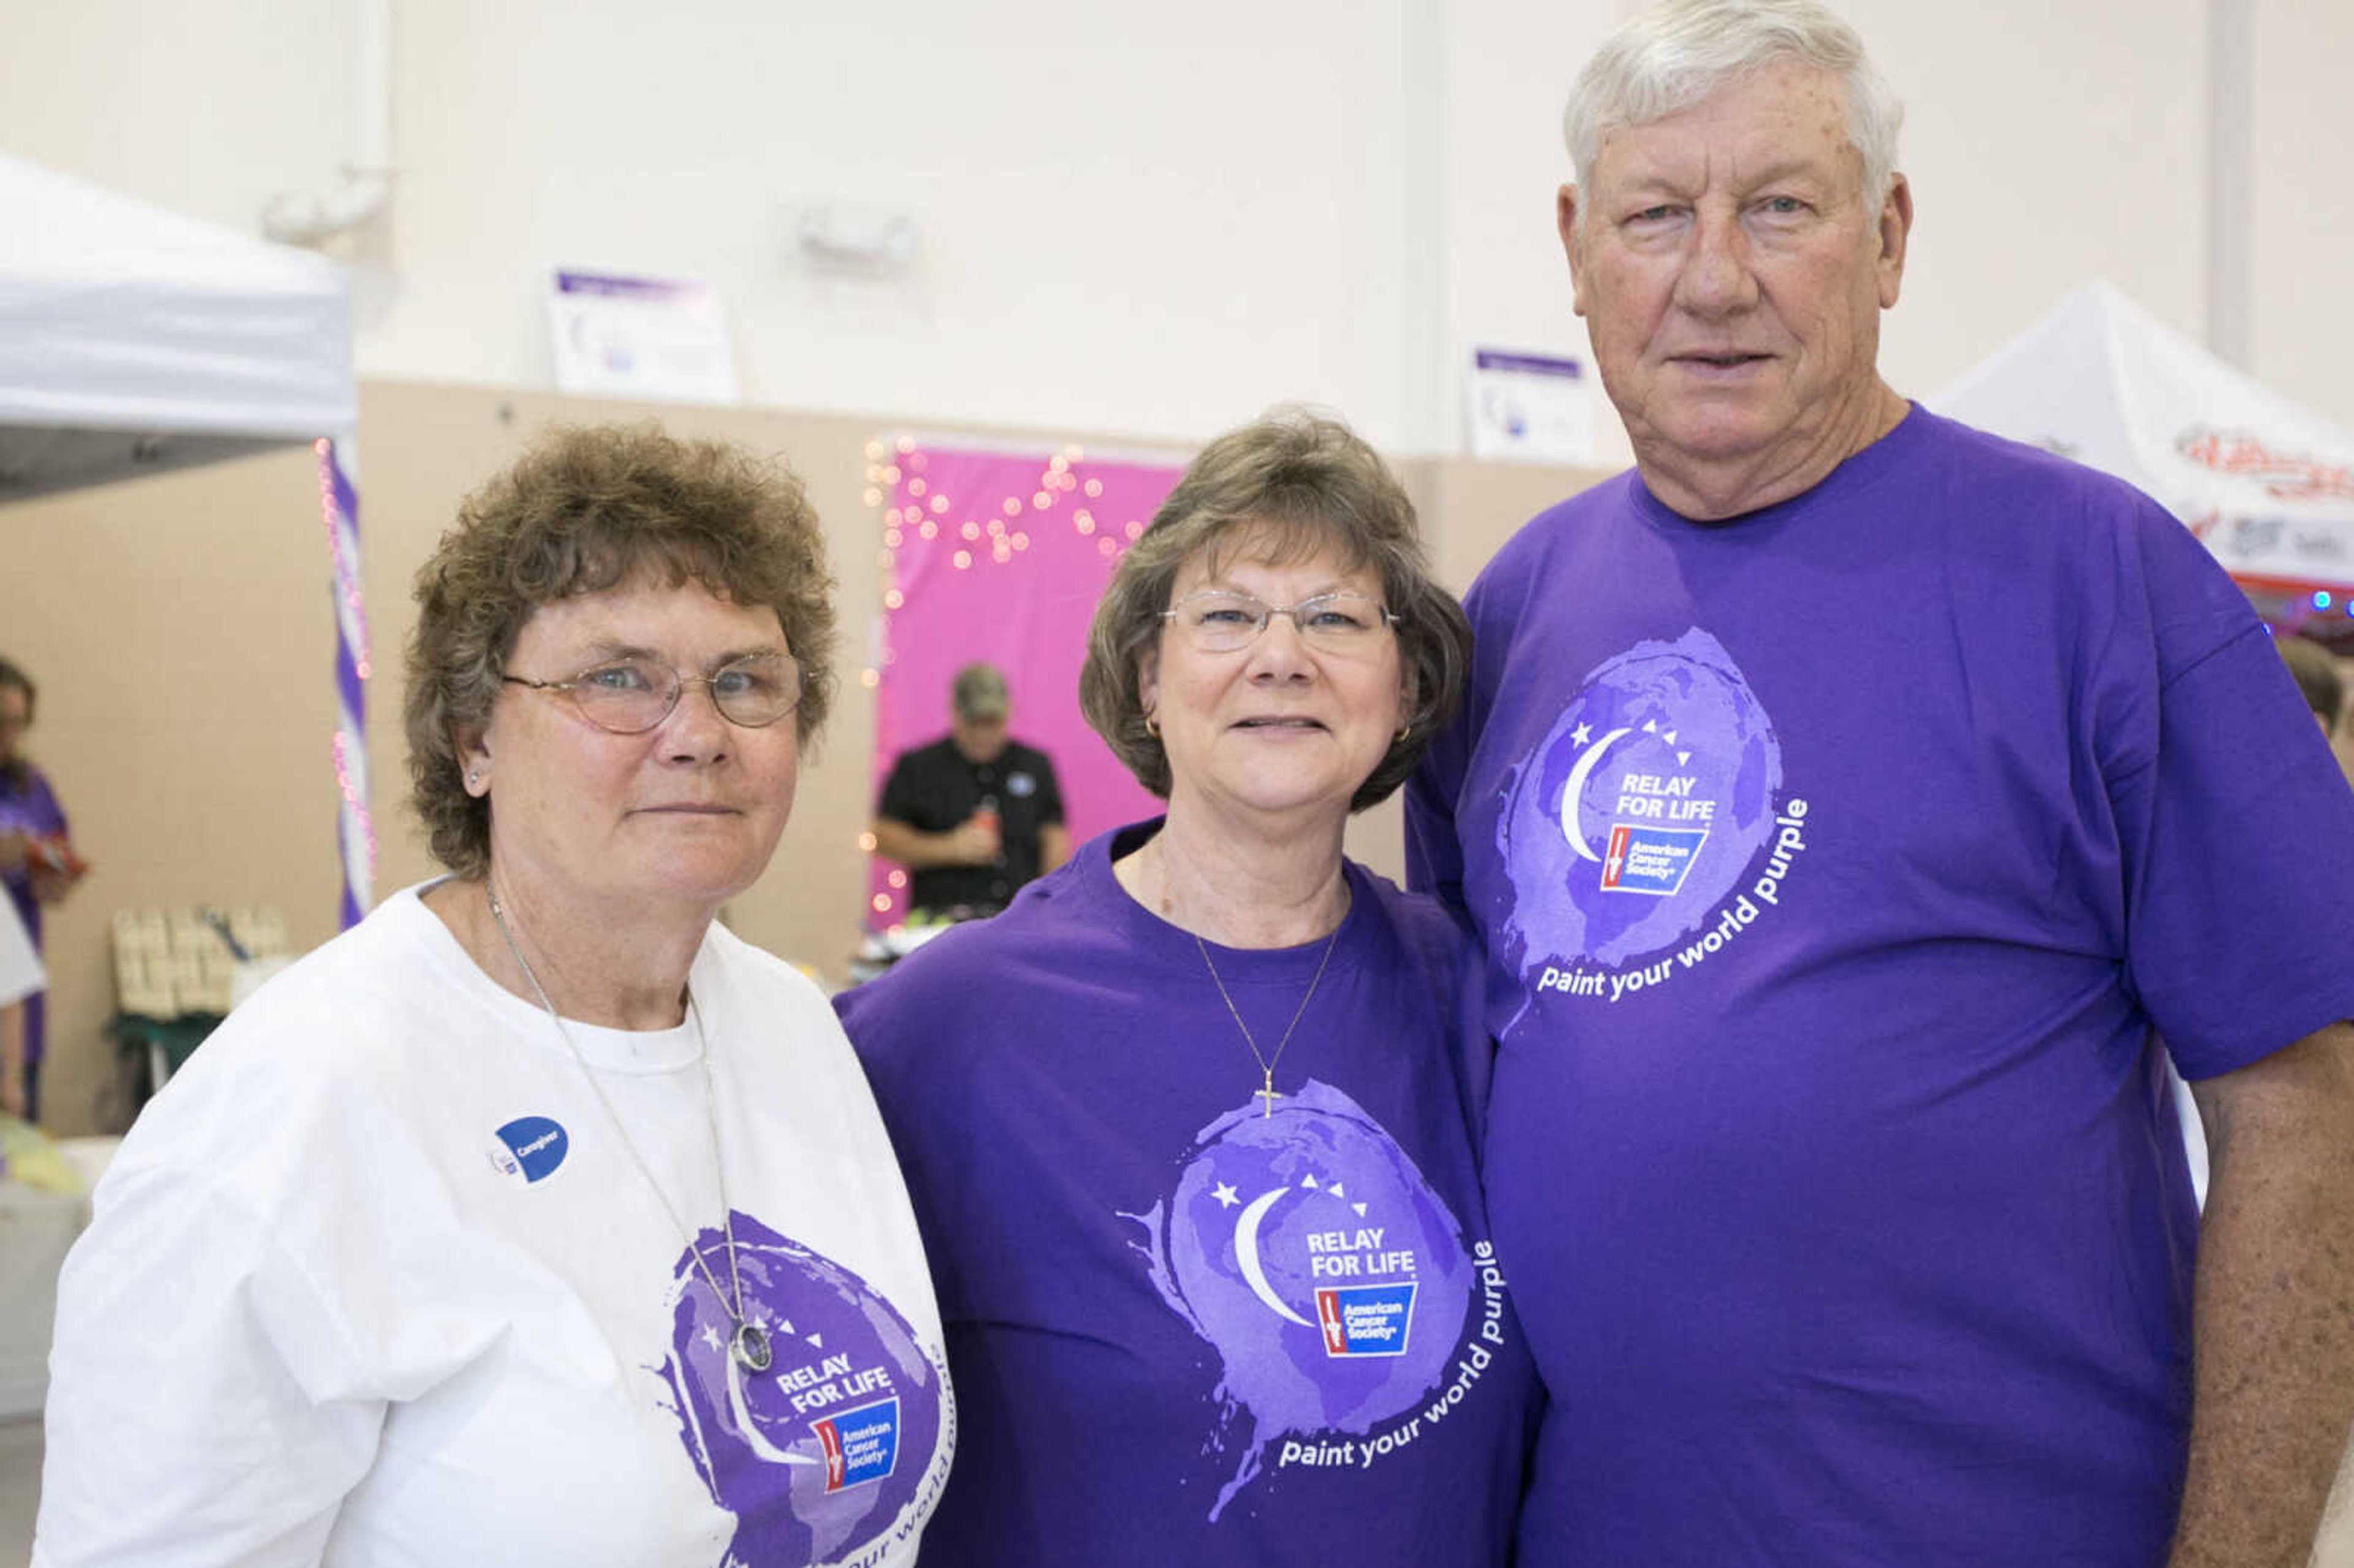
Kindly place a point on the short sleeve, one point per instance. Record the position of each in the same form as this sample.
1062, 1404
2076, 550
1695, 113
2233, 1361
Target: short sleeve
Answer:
1050, 791
1434, 859
899, 801
913, 1068
1434, 854
2237, 829
57, 808
187, 1422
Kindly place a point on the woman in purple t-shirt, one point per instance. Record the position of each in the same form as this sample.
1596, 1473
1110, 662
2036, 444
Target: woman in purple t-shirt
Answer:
1190, 1128
36, 863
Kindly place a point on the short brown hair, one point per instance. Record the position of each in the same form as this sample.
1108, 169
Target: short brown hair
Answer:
1311, 481
581, 510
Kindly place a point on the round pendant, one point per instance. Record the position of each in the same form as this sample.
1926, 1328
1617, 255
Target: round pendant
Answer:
751, 1348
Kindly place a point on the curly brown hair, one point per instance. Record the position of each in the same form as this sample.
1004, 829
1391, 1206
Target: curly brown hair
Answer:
1318, 486
581, 510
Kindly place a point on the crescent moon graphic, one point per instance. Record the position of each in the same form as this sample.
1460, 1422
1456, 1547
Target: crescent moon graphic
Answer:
1576, 788
1246, 1255
754, 1438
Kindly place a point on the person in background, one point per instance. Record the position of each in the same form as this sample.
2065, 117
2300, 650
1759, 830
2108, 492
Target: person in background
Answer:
538, 1219
37, 862
1850, 802
2317, 678
1190, 1128
976, 815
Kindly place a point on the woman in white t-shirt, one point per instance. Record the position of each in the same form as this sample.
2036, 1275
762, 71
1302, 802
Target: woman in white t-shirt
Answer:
535, 1219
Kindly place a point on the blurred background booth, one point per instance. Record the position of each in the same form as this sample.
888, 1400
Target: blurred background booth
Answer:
135, 342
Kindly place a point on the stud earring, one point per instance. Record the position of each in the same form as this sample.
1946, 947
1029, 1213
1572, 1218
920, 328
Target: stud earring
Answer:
473, 777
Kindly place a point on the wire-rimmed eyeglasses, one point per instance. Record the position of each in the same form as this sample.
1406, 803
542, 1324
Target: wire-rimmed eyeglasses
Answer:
1221, 620
631, 697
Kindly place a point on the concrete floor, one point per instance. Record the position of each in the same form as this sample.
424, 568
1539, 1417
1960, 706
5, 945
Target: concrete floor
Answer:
20, 1488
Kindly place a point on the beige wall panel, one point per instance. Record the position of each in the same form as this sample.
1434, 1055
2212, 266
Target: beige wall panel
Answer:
1479, 506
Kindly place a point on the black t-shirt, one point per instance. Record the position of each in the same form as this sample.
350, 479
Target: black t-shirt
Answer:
933, 788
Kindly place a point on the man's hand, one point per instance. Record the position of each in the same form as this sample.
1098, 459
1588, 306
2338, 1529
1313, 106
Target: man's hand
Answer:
2274, 1325
51, 883
976, 840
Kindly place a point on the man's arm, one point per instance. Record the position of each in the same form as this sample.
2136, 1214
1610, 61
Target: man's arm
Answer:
1054, 829
971, 843
2274, 1324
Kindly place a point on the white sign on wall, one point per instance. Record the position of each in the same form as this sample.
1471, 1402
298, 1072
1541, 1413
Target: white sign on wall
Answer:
663, 338
1532, 406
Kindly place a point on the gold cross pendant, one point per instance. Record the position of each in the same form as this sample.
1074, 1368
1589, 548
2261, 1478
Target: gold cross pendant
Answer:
1267, 1097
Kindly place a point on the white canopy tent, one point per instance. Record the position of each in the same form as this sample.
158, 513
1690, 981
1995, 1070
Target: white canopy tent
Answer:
2268, 486
134, 340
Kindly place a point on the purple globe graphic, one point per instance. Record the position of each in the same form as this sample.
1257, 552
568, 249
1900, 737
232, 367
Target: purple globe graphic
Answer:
1641, 809
824, 1450
1308, 1251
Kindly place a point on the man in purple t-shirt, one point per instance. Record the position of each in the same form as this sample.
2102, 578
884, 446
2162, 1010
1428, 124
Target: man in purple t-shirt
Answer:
1850, 803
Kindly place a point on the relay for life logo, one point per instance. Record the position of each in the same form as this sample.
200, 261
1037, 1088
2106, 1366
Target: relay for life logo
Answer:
1644, 831
835, 1450
1333, 1281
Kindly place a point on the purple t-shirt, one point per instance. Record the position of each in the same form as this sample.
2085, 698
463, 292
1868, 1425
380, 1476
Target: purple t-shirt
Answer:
1183, 1330
30, 806
1836, 863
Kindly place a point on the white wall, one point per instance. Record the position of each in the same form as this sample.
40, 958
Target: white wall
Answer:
2301, 315
1158, 220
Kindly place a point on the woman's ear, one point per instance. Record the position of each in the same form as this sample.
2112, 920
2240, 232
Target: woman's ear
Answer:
1148, 684
474, 763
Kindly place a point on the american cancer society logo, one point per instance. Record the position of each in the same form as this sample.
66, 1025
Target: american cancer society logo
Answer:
860, 1446
1366, 1319
1649, 860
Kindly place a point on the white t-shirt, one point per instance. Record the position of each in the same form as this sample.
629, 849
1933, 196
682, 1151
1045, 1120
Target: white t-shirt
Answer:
376, 1282
21, 974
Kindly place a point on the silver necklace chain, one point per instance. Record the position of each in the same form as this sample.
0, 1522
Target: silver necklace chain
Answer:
1267, 1094
748, 1344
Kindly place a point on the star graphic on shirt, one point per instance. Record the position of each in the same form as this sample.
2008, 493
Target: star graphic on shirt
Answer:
711, 1336
1225, 1195
1579, 735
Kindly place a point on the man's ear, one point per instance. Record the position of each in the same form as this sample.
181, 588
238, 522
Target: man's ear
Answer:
1895, 230
1565, 214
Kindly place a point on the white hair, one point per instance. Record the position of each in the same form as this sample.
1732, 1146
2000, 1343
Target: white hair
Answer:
1671, 57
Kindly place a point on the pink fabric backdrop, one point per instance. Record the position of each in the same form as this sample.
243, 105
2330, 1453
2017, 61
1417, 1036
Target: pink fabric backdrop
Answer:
1002, 556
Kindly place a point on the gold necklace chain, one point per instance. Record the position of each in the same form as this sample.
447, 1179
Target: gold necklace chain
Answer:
1266, 1094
